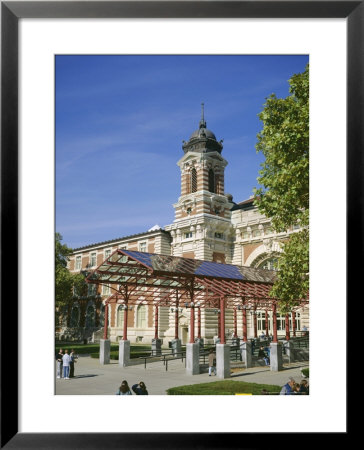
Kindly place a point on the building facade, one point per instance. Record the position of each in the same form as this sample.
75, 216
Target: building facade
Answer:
209, 226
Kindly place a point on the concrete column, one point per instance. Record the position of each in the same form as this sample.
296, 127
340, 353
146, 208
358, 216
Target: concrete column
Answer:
104, 351
290, 352
176, 347
124, 353
276, 358
156, 347
192, 359
246, 353
223, 360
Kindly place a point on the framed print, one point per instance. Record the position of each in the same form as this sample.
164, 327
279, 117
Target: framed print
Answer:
33, 36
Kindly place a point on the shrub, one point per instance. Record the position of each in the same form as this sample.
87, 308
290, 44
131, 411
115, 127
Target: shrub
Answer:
306, 372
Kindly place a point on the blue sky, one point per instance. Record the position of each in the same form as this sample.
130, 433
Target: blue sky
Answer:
120, 122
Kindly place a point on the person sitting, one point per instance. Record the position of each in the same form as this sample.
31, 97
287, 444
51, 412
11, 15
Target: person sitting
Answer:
287, 389
124, 389
304, 388
140, 389
263, 337
262, 354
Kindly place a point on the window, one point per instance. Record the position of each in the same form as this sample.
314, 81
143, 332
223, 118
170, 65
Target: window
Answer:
268, 264
107, 253
120, 317
219, 235
211, 181
298, 321
93, 259
261, 321
188, 235
142, 246
256, 233
141, 317
91, 289
75, 316
102, 316
78, 263
90, 317
281, 322
105, 289
193, 180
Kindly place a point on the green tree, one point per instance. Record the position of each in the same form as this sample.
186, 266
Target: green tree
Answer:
284, 197
65, 281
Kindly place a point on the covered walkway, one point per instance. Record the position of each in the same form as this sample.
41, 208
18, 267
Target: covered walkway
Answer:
171, 281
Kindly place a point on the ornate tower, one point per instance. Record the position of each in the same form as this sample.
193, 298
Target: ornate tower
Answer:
202, 227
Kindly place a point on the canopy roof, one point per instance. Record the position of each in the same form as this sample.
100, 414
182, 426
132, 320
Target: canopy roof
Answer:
170, 280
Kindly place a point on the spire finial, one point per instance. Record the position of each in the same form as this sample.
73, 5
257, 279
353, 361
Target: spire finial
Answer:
202, 121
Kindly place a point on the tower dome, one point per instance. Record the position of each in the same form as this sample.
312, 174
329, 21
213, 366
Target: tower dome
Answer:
202, 140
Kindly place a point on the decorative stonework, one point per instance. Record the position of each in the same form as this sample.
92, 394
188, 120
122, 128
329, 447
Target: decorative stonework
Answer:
264, 249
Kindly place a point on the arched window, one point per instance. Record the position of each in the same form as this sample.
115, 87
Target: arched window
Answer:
102, 316
193, 180
211, 181
75, 316
90, 317
120, 317
141, 318
268, 264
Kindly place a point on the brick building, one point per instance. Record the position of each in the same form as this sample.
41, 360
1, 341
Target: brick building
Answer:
209, 226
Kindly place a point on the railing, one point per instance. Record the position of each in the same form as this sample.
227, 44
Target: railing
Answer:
164, 357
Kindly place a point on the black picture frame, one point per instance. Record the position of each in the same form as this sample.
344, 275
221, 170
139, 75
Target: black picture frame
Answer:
11, 12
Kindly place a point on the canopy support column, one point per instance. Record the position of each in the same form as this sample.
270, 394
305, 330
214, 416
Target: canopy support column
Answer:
106, 319
176, 319
125, 331
199, 322
274, 314
235, 324
294, 323
156, 322
245, 326
287, 327
222, 320
255, 323
192, 325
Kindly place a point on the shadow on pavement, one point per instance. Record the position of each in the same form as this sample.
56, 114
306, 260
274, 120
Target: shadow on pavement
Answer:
85, 376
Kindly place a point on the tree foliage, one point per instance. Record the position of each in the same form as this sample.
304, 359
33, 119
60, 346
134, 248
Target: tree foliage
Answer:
284, 197
65, 281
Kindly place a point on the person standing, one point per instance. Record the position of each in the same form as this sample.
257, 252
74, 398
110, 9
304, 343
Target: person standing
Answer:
140, 389
212, 362
59, 357
72, 363
66, 365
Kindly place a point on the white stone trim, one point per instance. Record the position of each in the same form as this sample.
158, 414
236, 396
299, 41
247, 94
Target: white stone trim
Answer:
266, 248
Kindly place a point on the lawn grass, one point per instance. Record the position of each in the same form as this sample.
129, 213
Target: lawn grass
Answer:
225, 387
86, 349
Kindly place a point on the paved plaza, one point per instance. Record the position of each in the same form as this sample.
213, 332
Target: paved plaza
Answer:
92, 378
